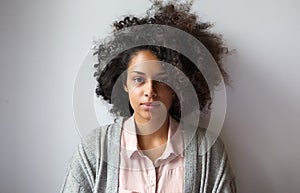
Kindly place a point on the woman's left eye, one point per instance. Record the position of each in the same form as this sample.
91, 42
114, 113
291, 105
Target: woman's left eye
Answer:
162, 80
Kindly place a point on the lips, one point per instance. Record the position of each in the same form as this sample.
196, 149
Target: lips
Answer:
150, 105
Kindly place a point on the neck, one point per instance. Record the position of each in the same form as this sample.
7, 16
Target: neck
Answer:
153, 134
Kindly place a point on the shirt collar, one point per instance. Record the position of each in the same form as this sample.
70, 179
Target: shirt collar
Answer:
174, 145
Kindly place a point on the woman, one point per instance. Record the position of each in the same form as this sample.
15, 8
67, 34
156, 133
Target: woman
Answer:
149, 149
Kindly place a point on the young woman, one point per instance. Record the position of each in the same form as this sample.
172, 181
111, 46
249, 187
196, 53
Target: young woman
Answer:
147, 149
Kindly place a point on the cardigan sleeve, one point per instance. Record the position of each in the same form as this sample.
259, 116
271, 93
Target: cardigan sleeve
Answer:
71, 185
225, 180
81, 171
221, 169
216, 174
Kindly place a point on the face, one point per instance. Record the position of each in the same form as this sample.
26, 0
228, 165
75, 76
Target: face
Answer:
149, 96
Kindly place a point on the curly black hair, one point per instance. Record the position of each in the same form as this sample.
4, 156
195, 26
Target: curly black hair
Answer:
111, 66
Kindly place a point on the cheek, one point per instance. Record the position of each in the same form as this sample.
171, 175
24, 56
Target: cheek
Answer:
133, 95
170, 100
168, 97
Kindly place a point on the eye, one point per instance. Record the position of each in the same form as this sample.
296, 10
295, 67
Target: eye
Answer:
138, 80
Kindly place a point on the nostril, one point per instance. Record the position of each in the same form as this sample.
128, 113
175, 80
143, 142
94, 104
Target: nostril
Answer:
150, 93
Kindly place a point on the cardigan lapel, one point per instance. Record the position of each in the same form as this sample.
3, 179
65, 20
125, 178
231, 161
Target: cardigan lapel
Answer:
190, 162
113, 153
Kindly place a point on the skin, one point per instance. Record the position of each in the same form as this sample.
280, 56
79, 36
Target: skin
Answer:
151, 100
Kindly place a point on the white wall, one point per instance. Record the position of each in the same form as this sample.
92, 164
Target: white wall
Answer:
44, 42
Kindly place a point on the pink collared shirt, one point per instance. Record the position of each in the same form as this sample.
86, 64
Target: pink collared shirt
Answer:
137, 172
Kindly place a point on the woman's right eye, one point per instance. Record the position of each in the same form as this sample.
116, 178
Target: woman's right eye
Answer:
138, 79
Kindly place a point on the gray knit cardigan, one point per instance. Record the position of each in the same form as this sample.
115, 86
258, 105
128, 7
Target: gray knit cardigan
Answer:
94, 166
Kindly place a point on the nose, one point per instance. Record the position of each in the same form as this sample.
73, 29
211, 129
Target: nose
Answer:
149, 90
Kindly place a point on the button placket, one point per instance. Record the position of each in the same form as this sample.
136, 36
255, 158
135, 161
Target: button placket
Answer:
152, 180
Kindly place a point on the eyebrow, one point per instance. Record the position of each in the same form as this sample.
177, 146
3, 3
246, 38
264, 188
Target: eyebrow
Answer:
142, 73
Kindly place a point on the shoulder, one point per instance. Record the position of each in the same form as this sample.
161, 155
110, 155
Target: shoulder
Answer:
82, 169
89, 144
84, 163
210, 148
102, 133
208, 141
92, 144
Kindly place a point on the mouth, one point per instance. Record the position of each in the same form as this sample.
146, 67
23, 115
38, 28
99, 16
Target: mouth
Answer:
150, 105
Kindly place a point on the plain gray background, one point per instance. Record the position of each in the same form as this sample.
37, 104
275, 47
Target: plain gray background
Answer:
43, 43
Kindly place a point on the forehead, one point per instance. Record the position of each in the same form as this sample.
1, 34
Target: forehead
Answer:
145, 61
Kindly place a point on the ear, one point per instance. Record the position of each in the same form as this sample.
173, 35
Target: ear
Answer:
125, 88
